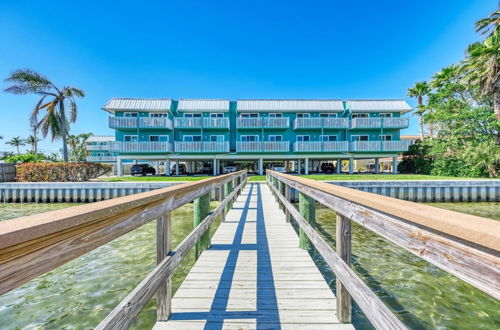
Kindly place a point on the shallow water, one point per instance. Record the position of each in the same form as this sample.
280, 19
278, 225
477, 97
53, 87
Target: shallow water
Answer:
79, 294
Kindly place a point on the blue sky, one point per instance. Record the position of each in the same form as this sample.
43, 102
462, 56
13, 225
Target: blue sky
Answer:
227, 49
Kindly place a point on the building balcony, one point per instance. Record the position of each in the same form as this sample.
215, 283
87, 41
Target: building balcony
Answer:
201, 147
146, 147
391, 122
321, 123
198, 123
263, 146
101, 158
367, 146
258, 123
321, 146
140, 122
97, 147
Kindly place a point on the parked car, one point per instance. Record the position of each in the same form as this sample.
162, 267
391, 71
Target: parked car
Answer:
182, 169
327, 168
142, 169
229, 169
278, 168
206, 169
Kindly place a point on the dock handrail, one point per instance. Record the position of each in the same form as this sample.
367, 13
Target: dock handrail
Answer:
33, 245
463, 245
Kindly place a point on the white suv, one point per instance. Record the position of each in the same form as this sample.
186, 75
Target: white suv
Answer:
229, 169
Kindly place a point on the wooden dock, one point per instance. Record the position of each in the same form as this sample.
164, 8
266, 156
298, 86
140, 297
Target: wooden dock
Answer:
254, 275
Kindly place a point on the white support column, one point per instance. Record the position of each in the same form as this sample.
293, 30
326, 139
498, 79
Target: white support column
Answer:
351, 166
119, 167
177, 167
377, 165
298, 166
157, 167
306, 166
395, 165
167, 167
339, 166
261, 166
214, 166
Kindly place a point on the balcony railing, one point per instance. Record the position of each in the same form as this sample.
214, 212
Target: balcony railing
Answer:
198, 123
152, 147
97, 147
363, 146
321, 146
101, 158
312, 123
392, 122
200, 147
268, 122
263, 146
140, 122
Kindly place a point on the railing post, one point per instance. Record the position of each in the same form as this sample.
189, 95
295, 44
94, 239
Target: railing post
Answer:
201, 210
163, 247
221, 198
307, 208
343, 247
281, 188
228, 187
288, 197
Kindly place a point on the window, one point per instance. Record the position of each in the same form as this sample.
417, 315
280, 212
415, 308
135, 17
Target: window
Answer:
249, 115
216, 138
216, 115
130, 114
328, 115
328, 138
156, 115
385, 137
191, 138
359, 115
192, 115
275, 115
303, 115
130, 138
249, 138
385, 115
158, 138
275, 138
302, 138
359, 137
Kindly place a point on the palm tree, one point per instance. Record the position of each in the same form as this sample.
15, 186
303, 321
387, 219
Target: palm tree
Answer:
16, 142
419, 91
52, 98
32, 140
490, 23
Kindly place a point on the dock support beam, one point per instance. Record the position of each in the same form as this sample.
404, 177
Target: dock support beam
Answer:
307, 209
163, 247
343, 247
395, 165
351, 166
201, 210
261, 166
377, 165
306, 166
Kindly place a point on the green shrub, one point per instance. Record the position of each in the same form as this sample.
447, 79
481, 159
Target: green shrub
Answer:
60, 172
416, 160
25, 158
450, 166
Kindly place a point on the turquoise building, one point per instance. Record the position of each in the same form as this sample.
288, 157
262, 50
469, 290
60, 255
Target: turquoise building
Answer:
302, 133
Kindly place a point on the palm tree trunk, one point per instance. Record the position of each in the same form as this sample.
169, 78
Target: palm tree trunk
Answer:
64, 133
421, 128
496, 103
35, 143
17, 147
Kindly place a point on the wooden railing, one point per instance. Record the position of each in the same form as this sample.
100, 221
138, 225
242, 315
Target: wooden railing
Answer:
33, 245
465, 246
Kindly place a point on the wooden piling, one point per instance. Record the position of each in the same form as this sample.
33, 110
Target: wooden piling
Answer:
343, 247
201, 210
163, 247
307, 209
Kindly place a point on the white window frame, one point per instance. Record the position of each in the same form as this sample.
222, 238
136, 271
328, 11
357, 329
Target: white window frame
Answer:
249, 115
302, 138
275, 136
159, 136
383, 137
192, 138
275, 115
328, 115
385, 114
336, 138
130, 136
217, 138
192, 115
216, 115
360, 115
246, 136
303, 115
130, 114
359, 136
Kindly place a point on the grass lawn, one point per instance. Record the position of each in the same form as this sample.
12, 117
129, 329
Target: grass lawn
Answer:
320, 177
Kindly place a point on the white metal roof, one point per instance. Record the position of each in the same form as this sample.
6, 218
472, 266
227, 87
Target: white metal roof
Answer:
378, 105
203, 105
290, 105
100, 138
121, 104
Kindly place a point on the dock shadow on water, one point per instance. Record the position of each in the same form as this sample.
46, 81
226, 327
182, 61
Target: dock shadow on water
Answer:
81, 293
422, 295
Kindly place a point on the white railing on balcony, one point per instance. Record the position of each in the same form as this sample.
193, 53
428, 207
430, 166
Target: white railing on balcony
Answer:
263, 146
101, 158
140, 122
216, 123
321, 146
141, 147
187, 122
363, 146
97, 147
393, 122
199, 147
267, 122
306, 123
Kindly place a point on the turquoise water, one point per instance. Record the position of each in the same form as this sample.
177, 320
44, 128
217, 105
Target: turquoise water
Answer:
82, 292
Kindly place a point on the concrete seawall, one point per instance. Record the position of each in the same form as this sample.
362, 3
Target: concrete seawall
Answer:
417, 191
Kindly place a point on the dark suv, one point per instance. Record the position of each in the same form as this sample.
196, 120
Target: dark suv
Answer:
142, 169
327, 168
